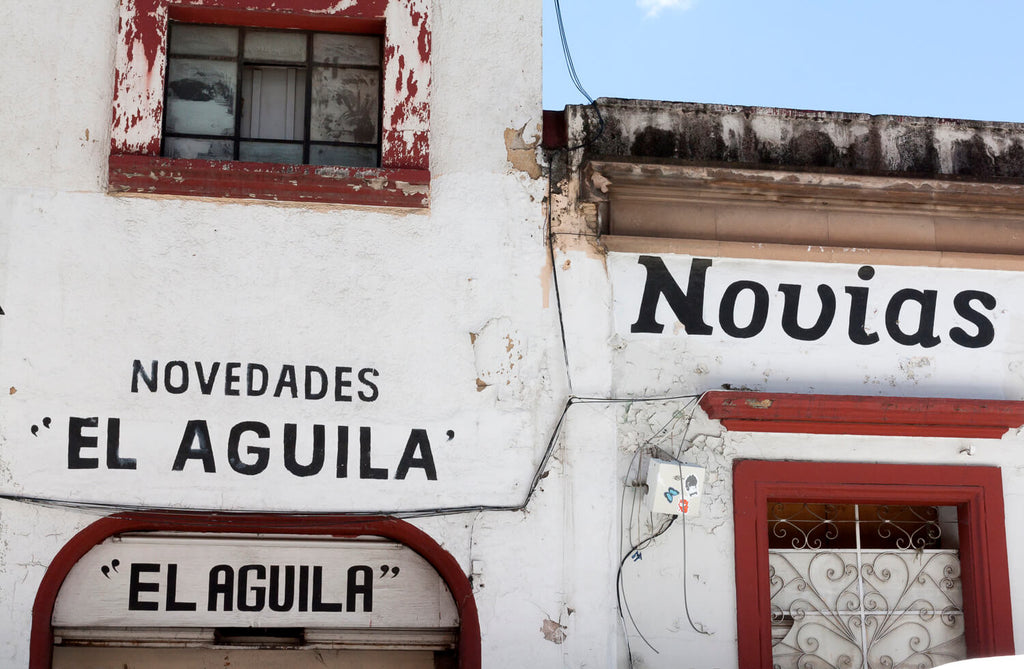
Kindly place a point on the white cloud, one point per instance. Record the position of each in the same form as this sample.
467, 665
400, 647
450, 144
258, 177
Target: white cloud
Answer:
654, 7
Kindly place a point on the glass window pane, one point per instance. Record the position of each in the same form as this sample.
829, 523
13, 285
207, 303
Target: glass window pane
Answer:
346, 49
350, 156
273, 102
206, 149
288, 47
200, 96
345, 105
270, 152
192, 40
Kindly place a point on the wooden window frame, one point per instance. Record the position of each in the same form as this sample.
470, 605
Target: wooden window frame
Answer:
976, 492
326, 525
402, 180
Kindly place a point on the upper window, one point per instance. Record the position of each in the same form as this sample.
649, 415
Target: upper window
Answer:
274, 99
272, 96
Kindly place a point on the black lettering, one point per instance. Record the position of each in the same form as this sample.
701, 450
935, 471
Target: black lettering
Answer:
231, 378
688, 307
303, 588
986, 331
206, 382
259, 592
197, 432
859, 310
114, 459
287, 380
136, 586
366, 469
172, 592
182, 384
727, 309
925, 333
276, 603
417, 441
150, 380
251, 388
791, 306
360, 582
340, 383
342, 452
222, 584
318, 603
321, 392
77, 441
262, 453
317, 461
373, 393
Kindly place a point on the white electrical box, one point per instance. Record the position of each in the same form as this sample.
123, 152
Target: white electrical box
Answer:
675, 488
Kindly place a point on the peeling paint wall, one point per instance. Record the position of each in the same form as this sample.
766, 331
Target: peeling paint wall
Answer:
91, 283
680, 589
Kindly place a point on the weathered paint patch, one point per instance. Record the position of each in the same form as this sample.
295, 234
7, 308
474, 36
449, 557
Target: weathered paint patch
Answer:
553, 632
522, 154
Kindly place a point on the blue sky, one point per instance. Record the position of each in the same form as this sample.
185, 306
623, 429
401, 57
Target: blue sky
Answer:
907, 57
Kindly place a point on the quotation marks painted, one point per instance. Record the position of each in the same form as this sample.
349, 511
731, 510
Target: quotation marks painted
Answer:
46, 424
670, 494
638, 556
384, 569
113, 565
451, 434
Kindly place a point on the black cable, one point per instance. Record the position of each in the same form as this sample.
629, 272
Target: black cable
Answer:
620, 593
558, 295
576, 81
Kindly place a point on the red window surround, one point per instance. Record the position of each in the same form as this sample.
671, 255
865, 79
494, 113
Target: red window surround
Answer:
41, 646
403, 180
976, 492
857, 414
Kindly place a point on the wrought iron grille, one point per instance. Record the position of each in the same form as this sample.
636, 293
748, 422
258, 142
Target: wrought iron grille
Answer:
864, 587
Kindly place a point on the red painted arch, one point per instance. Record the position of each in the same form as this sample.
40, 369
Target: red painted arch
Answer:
41, 649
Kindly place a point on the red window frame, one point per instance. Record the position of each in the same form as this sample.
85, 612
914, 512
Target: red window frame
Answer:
977, 492
402, 180
41, 646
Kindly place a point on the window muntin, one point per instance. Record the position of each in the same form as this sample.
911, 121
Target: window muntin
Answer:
280, 96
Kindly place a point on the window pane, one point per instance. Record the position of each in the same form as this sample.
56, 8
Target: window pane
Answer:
352, 156
346, 49
207, 149
200, 96
203, 40
289, 47
273, 102
345, 105
270, 152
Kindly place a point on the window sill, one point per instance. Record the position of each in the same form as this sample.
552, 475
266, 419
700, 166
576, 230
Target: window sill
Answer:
368, 186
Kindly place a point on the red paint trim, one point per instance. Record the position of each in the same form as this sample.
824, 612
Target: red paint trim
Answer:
977, 492
379, 187
856, 414
297, 20
41, 647
555, 134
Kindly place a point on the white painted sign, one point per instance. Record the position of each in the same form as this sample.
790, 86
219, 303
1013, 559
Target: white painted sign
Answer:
163, 581
772, 324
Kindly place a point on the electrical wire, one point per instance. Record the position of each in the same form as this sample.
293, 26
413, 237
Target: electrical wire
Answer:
620, 591
576, 81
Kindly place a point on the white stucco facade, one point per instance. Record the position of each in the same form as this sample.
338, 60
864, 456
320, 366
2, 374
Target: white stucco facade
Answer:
444, 365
